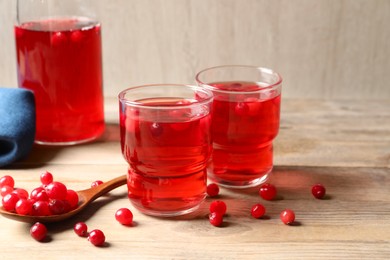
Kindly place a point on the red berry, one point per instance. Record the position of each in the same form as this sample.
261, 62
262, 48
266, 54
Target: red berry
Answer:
58, 38
318, 191
23, 207
73, 198
38, 231
241, 109
267, 191
156, 129
216, 219
287, 216
124, 216
42, 195
96, 237
22, 193
81, 229
46, 178
40, 208
257, 211
76, 36
56, 190
7, 180
9, 201
218, 206
34, 192
212, 189
96, 183
56, 207
5, 190
19, 32
67, 206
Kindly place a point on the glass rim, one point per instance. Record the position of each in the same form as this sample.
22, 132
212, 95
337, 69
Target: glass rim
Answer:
264, 88
126, 101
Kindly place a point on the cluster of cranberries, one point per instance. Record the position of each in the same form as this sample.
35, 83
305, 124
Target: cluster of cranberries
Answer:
267, 192
50, 198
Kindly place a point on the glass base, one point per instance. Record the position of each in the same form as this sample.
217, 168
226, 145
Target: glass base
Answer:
68, 143
240, 184
156, 213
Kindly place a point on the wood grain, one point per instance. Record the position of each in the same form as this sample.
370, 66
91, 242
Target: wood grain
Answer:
323, 49
342, 144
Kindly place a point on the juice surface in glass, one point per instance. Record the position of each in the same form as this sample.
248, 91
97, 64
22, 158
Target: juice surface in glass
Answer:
244, 124
167, 150
60, 61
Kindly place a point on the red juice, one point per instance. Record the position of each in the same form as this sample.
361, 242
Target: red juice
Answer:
60, 61
245, 122
167, 150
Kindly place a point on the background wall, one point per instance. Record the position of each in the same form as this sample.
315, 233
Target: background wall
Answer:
323, 48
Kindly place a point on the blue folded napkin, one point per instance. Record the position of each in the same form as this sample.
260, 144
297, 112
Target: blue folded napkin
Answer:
17, 124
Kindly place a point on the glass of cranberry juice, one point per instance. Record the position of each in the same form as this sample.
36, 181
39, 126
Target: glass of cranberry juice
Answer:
58, 50
245, 121
166, 140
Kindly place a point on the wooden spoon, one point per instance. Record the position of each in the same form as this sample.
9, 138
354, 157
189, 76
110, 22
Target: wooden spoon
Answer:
85, 198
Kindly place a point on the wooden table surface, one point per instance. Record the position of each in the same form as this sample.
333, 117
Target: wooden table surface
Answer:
343, 144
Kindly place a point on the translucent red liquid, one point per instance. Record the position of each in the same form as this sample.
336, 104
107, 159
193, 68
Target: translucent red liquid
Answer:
167, 151
60, 61
245, 122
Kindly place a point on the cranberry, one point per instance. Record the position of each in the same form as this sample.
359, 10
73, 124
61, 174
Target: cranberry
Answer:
7, 180
22, 193
23, 207
38, 231
18, 32
96, 183
124, 216
216, 219
212, 189
67, 206
76, 36
241, 109
56, 207
81, 229
46, 178
56, 190
34, 192
218, 206
42, 195
40, 208
257, 211
156, 129
96, 237
73, 198
58, 38
318, 191
287, 216
5, 190
9, 201
267, 191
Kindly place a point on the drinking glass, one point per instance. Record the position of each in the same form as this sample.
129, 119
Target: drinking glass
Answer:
58, 50
166, 140
245, 121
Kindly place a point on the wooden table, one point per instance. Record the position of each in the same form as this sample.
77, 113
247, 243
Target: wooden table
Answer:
343, 144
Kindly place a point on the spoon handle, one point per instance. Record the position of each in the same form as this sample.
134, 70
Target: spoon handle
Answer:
95, 192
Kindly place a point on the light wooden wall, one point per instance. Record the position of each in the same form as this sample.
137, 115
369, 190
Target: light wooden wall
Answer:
323, 48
